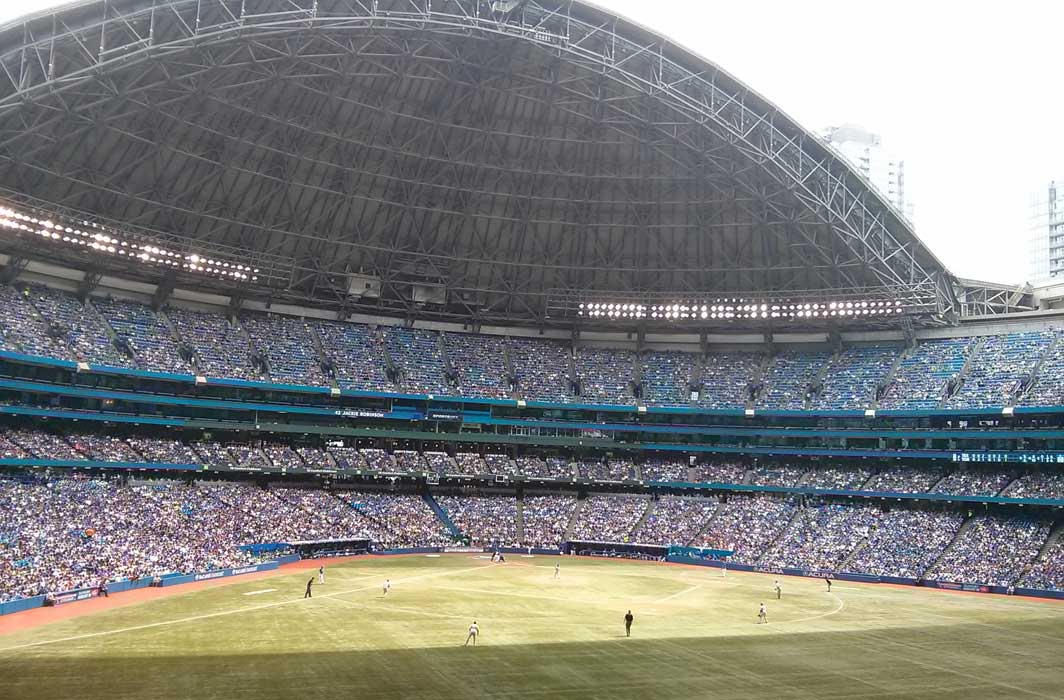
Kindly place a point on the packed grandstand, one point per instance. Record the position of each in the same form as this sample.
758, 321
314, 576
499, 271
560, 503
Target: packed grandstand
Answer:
63, 532
1022, 368
548, 283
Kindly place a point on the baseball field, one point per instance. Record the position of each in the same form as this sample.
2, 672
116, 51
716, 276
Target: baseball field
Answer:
695, 634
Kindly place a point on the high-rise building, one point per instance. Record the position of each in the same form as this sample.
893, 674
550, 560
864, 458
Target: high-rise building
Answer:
883, 169
1047, 235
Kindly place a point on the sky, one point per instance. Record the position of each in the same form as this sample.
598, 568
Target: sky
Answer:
967, 93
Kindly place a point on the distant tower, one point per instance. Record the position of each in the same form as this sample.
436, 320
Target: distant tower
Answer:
884, 170
1046, 248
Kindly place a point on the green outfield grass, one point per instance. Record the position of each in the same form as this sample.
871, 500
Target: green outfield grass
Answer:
694, 636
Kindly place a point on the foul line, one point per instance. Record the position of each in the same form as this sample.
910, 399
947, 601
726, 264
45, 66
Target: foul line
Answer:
678, 594
222, 613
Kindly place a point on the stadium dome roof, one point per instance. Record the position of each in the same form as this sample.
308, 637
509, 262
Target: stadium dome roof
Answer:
463, 159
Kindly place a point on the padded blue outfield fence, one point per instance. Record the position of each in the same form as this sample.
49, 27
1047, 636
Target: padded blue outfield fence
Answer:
121, 586
865, 578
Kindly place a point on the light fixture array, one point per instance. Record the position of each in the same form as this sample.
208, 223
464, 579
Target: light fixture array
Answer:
740, 309
91, 236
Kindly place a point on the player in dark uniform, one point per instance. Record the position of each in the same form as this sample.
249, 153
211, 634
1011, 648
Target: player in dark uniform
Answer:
828, 580
309, 584
628, 624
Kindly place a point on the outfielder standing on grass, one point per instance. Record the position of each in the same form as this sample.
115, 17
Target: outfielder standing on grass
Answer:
762, 615
474, 631
387, 585
321, 574
628, 624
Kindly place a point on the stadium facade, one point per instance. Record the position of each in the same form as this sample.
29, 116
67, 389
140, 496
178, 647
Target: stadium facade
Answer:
343, 244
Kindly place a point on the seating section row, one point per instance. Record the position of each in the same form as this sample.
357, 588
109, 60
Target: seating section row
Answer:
1018, 368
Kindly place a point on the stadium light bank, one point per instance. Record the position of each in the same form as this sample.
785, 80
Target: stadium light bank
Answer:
91, 236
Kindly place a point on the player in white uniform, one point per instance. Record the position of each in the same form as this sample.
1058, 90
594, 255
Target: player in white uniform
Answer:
387, 585
557, 571
762, 615
779, 591
474, 630
321, 574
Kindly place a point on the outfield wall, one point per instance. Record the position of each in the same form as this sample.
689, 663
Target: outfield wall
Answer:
39, 601
866, 578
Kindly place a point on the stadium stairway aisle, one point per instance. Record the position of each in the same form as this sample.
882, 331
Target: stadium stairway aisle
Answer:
962, 533
442, 515
1054, 535
573, 519
519, 521
647, 512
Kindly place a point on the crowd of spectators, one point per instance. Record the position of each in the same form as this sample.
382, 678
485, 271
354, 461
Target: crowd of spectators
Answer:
1046, 484
1047, 572
664, 470
61, 534
12, 450
78, 533
541, 368
973, 482
213, 454
726, 378
904, 543
289, 347
499, 464
315, 458
408, 461
40, 320
419, 360
154, 345
853, 376
549, 468
219, 345
746, 525
921, 378
356, 352
470, 463
487, 520
103, 448
163, 450
249, 456
546, 519
606, 470
999, 367
605, 375
78, 325
848, 478
904, 480
788, 377
24, 330
674, 520
1048, 387
349, 458
379, 460
45, 445
777, 475
991, 550
283, 456
608, 518
403, 520
666, 377
439, 462
821, 537
720, 472
479, 364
